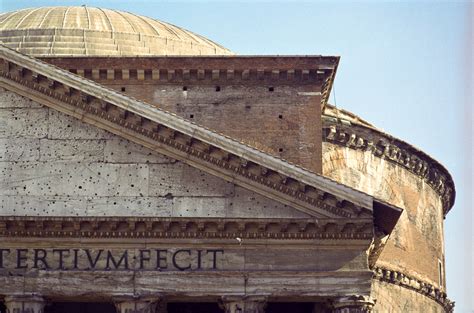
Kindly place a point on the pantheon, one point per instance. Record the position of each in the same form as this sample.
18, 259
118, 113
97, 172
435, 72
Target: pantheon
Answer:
145, 168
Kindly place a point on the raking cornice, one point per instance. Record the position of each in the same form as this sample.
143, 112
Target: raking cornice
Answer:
180, 139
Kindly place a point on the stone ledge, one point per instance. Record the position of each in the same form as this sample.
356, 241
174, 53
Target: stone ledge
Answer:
423, 288
154, 227
384, 146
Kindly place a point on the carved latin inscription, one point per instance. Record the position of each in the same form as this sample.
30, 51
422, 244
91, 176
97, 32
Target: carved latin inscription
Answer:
158, 259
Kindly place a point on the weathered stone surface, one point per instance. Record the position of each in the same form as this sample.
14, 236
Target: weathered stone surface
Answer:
19, 149
123, 151
81, 170
129, 206
72, 150
416, 243
62, 126
23, 205
393, 298
73, 178
182, 180
10, 99
249, 204
29, 123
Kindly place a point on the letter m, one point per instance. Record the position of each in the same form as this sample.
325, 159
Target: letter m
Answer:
117, 264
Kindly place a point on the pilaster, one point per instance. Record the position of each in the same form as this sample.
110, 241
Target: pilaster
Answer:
244, 304
24, 303
352, 304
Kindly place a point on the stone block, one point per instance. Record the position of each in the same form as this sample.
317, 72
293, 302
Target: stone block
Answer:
199, 207
72, 150
129, 206
9, 99
123, 151
73, 178
246, 203
42, 206
62, 126
19, 149
25, 122
180, 179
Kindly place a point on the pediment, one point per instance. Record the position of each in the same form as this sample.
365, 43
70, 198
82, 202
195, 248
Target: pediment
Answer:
179, 139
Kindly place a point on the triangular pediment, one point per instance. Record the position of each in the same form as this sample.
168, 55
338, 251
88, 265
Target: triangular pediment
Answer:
69, 168
179, 139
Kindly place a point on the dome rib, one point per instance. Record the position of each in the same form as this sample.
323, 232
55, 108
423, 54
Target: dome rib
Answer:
108, 20
79, 31
148, 23
25, 16
64, 17
44, 17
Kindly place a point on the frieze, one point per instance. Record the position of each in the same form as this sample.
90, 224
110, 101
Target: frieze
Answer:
381, 145
184, 145
319, 70
424, 288
205, 228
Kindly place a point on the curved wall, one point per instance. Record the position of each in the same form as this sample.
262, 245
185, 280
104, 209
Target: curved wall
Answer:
362, 157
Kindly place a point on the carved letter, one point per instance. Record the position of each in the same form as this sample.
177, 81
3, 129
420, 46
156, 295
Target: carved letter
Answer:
89, 257
41, 258
199, 259
20, 258
61, 257
144, 258
1, 256
176, 264
214, 259
123, 259
159, 258
76, 252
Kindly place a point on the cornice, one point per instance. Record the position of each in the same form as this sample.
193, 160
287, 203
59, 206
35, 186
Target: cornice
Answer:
423, 288
180, 227
392, 150
181, 139
208, 70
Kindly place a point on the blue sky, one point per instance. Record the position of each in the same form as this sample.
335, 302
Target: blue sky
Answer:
404, 67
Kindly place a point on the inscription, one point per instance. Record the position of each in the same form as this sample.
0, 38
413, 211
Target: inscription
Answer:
111, 260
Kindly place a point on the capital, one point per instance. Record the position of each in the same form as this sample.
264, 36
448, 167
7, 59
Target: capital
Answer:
243, 304
136, 304
24, 303
352, 304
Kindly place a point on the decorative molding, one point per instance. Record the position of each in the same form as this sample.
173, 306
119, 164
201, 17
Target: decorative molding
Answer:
352, 304
243, 304
395, 151
192, 227
424, 288
283, 181
209, 70
209, 75
25, 303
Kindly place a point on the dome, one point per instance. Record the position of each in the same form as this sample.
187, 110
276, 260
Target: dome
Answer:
88, 31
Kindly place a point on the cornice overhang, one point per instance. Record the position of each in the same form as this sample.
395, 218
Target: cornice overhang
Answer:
422, 287
365, 138
185, 228
178, 138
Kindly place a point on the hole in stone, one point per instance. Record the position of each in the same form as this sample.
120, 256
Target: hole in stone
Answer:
123, 89
218, 88
185, 88
191, 116
280, 116
271, 89
280, 149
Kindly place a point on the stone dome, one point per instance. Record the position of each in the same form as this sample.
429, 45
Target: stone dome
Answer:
88, 31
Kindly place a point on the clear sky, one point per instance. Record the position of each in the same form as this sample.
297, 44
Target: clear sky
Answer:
405, 66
